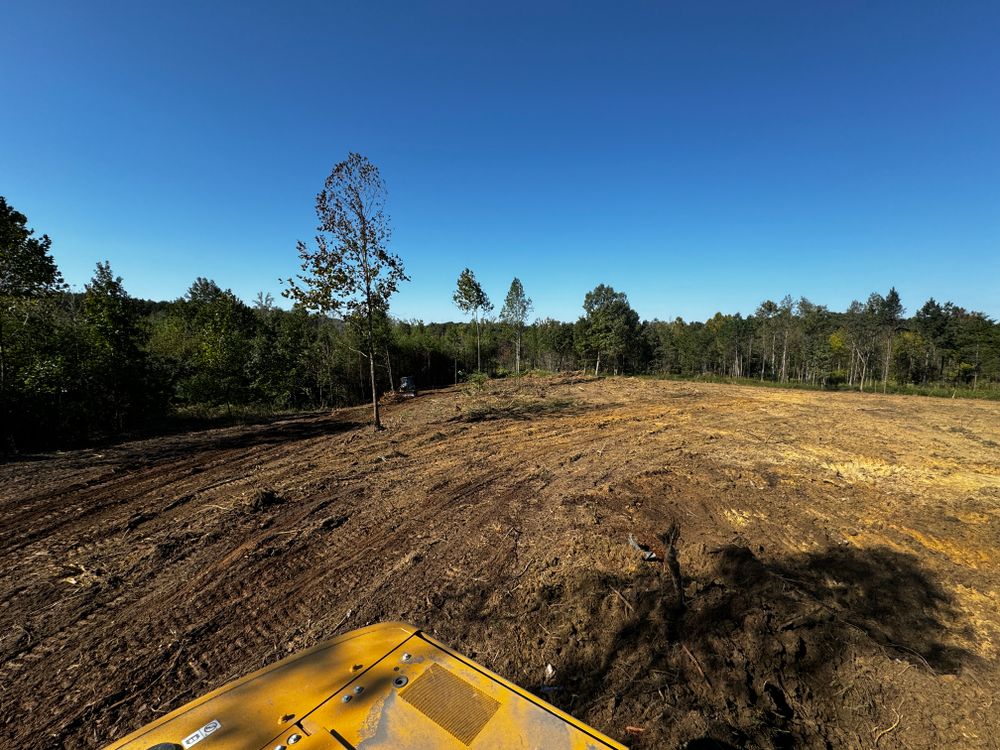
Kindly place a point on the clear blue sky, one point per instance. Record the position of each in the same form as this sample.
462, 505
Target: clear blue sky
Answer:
699, 156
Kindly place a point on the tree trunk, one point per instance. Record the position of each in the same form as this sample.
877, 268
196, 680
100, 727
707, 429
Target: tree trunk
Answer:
774, 354
479, 356
784, 358
597, 367
888, 355
517, 354
377, 424
361, 375
371, 368
388, 364
3, 364
4, 416
975, 375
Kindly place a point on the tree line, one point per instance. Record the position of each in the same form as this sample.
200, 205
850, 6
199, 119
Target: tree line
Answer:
75, 367
871, 346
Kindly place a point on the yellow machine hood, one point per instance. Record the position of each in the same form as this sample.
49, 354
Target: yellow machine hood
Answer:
384, 686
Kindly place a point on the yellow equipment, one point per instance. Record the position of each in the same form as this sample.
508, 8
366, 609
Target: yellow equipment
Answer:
384, 686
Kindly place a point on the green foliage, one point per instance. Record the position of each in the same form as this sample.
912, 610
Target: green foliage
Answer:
351, 266
470, 298
478, 380
514, 314
66, 369
609, 329
80, 367
516, 306
30, 370
221, 329
119, 379
26, 266
278, 364
469, 295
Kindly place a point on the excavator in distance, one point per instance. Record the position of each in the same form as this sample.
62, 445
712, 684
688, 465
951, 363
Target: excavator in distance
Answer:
386, 686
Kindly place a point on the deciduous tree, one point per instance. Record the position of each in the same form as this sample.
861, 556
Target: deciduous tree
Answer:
27, 272
611, 323
351, 265
117, 359
470, 298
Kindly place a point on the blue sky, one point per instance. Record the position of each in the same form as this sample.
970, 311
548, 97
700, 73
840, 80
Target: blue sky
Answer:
699, 156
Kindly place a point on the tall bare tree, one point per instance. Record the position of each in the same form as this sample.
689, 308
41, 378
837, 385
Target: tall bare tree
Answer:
351, 266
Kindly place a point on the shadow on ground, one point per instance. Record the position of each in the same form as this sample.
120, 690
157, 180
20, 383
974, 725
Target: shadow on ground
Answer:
279, 432
756, 654
171, 444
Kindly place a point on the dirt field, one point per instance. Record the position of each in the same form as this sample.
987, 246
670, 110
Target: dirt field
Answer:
839, 557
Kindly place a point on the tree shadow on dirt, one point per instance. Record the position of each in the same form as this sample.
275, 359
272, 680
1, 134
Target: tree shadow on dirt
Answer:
174, 443
284, 431
758, 652
883, 593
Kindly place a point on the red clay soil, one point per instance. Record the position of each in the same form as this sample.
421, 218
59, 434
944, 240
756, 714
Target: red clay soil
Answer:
837, 560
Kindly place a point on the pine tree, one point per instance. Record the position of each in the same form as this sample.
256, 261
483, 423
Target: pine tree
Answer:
515, 314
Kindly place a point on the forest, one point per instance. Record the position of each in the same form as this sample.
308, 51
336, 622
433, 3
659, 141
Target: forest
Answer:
79, 367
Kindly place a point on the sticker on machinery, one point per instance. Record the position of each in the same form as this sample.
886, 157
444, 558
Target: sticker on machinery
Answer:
201, 734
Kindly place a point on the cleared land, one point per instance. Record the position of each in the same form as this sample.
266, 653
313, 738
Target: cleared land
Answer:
839, 553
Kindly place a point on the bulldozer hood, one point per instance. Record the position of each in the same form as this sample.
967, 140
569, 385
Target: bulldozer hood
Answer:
384, 686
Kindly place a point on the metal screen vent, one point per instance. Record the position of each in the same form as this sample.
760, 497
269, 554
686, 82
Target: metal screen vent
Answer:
453, 704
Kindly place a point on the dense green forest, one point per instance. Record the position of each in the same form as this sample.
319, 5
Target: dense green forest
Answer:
75, 367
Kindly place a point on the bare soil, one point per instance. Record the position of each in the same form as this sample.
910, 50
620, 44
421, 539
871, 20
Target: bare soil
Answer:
838, 560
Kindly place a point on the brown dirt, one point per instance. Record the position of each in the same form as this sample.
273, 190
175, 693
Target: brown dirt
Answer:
838, 555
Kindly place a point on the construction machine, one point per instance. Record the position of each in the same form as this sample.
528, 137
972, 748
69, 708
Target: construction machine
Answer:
383, 686
408, 386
